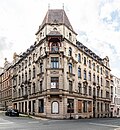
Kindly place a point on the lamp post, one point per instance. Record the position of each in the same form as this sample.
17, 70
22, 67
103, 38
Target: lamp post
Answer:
70, 108
28, 85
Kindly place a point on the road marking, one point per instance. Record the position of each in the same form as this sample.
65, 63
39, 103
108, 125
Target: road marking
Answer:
5, 122
105, 125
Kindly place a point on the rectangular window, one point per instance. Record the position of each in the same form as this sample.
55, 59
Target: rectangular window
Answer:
70, 68
90, 91
54, 82
89, 63
98, 91
101, 93
41, 105
70, 106
29, 61
54, 62
85, 76
89, 76
98, 68
93, 66
107, 83
84, 106
33, 87
89, 106
79, 106
107, 95
40, 86
70, 86
79, 88
79, 72
33, 57
41, 67
101, 106
97, 106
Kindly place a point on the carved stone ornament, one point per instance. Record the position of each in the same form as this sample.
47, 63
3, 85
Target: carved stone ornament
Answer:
54, 72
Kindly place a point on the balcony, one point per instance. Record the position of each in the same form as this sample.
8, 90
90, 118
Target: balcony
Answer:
54, 90
40, 74
25, 96
70, 75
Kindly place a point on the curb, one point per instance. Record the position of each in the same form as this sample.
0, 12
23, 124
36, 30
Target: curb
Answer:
38, 118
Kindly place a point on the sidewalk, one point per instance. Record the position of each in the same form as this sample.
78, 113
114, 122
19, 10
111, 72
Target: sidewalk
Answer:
34, 117
2, 111
117, 129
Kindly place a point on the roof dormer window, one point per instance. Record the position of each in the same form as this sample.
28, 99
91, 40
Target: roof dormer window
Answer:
70, 36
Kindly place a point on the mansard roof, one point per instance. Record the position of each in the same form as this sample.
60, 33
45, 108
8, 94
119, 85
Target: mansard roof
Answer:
89, 52
56, 16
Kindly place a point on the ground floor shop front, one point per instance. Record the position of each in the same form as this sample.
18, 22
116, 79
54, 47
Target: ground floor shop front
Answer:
63, 107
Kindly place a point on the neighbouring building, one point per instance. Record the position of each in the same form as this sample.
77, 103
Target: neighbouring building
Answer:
6, 86
59, 77
115, 96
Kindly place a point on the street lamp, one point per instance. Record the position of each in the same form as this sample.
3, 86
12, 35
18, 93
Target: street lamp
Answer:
28, 85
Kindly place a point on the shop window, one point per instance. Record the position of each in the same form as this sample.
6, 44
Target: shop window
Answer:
41, 106
70, 106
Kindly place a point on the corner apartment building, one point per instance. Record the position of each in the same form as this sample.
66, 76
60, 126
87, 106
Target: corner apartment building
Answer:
115, 96
6, 86
59, 77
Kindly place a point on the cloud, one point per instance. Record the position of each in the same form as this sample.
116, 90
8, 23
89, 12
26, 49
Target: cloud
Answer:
5, 44
96, 22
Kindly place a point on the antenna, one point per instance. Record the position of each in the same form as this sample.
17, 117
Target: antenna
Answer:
63, 6
48, 6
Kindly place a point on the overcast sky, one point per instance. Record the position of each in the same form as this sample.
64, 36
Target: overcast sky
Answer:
97, 23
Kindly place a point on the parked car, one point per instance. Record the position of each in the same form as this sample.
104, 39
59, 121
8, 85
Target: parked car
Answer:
12, 112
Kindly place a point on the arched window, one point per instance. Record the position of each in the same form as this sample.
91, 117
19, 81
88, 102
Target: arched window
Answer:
70, 51
70, 68
34, 72
54, 47
55, 107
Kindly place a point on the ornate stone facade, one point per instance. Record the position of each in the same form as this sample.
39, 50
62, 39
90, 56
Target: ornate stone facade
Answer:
59, 77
